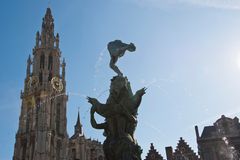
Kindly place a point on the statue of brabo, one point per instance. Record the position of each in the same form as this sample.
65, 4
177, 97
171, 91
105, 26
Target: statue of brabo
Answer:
120, 113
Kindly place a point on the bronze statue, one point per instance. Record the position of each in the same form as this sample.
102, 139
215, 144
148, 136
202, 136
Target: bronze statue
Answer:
117, 49
120, 113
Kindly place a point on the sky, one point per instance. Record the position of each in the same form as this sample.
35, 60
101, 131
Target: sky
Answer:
188, 55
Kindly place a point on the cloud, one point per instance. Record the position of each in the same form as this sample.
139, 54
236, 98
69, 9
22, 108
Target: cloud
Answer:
218, 4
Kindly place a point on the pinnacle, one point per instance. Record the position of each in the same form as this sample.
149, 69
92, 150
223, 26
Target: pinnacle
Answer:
78, 120
48, 18
48, 12
152, 147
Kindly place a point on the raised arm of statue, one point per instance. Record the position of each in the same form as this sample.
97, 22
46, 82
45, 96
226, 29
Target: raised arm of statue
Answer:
137, 98
99, 107
94, 122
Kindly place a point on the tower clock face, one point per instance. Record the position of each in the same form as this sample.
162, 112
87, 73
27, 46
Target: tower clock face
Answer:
57, 84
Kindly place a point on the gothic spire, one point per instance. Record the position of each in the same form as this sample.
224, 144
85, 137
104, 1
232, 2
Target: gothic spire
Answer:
34, 116
48, 18
78, 126
47, 36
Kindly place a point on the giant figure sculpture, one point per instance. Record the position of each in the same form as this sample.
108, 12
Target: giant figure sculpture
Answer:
120, 113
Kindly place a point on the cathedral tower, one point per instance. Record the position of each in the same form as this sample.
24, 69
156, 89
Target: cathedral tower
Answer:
42, 133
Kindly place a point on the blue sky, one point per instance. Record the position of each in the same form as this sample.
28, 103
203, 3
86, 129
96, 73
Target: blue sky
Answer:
188, 54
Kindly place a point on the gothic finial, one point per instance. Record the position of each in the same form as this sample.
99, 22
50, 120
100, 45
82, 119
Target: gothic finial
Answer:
29, 58
29, 65
57, 40
37, 39
152, 147
63, 62
48, 13
48, 18
78, 120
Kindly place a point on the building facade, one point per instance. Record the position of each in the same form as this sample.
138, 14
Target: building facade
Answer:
81, 148
220, 141
42, 132
182, 152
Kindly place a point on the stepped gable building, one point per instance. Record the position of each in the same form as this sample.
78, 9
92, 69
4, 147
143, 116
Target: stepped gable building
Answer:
220, 141
153, 154
42, 133
182, 152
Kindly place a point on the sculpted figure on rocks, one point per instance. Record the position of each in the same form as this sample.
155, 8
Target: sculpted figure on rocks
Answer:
120, 113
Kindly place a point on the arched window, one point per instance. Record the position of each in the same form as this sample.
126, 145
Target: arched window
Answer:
50, 62
42, 60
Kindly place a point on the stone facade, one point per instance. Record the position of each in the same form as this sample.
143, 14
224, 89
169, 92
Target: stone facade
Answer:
42, 133
220, 141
